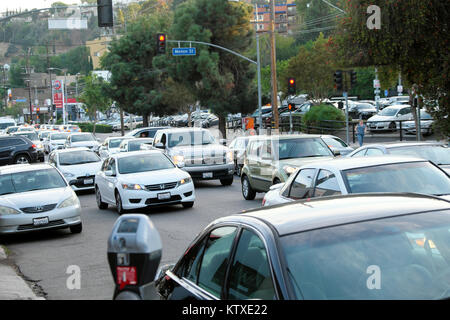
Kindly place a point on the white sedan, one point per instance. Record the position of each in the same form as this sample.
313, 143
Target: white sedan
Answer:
111, 146
361, 175
140, 179
78, 165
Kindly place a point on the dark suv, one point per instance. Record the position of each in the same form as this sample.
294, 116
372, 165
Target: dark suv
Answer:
17, 149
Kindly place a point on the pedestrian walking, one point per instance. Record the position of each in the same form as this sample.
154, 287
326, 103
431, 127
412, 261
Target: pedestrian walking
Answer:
360, 131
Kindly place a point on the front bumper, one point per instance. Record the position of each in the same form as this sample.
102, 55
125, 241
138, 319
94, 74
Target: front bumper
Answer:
372, 126
57, 219
211, 172
79, 184
135, 199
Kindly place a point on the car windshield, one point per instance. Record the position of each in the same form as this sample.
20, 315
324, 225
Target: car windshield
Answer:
425, 115
364, 107
59, 136
439, 154
13, 129
30, 135
190, 138
77, 157
44, 134
144, 163
31, 180
301, 148
4, 125
388, 112
115, 143
136, 145
406, 257
420, 177
82, 138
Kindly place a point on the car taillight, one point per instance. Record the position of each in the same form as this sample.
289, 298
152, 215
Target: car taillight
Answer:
264, 201
33, 146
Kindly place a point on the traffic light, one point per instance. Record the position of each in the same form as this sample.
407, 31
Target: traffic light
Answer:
105, 13
291, 86
291, 106
338, 80
352, 78
38, 109
161, 43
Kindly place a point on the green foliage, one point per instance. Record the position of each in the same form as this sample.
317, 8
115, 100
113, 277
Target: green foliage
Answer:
364, 84
99, 128
323, 117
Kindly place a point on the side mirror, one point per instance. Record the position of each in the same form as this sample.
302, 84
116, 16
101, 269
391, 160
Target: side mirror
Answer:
159, 145
163, 269
134, 254
223, 142
109, 173
72, 183
336, 152
180, 165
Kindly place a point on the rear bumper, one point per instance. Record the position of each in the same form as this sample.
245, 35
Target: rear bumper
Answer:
212, 172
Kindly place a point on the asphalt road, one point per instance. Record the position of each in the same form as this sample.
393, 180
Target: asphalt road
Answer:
45, 256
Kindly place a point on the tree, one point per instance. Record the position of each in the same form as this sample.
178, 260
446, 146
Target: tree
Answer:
413, 39
94, 97
218, 79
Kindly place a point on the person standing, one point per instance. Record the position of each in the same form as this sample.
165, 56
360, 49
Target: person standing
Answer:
360, 131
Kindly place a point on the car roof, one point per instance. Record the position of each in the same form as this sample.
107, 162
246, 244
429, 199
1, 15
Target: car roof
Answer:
134, 153
284, 136
14, 168
119, 138
403, 144
398, 106
80, 133
325, 212
345, 163
58, 151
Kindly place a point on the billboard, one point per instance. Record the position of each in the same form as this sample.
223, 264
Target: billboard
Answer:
69, 23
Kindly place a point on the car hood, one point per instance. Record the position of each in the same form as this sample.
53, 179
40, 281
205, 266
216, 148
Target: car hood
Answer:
154, 177
85, 144
80, 170
36, 198
377, 117
298, 162
446, 197
199, 150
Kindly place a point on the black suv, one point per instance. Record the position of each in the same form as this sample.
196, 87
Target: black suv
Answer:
17, 149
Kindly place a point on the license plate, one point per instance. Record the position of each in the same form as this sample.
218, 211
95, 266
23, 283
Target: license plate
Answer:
126, 276
164, 196
207, 175
89, 181
40, 221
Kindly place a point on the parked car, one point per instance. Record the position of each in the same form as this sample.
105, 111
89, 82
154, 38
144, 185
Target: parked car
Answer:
137, 144
438, 153
87, 140
111, 146
78, 166
238, 146
55, 140
362, 175
17, 149
426, 124
359, 110
203, 157
11, 129
142, 179
37, 197
32, 135
316, 250
270, 160
43, 135
336, 144
387, 119
148, 132
6, 122
26, 128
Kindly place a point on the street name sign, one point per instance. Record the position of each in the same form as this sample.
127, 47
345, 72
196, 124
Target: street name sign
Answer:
184, 51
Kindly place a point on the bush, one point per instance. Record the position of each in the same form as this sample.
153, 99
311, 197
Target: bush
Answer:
323, 118
99, 128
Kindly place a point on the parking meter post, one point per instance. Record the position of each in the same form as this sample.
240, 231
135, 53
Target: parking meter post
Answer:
290, 121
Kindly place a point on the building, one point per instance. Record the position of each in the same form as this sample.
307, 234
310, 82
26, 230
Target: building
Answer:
97, 48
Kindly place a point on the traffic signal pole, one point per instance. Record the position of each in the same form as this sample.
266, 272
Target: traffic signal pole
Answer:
273, 64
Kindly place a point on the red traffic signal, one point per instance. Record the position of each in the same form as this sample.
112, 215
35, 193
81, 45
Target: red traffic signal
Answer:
291, 106
161, 43
291, 86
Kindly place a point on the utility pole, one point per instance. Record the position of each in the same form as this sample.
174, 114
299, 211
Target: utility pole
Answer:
273, 64
28, 72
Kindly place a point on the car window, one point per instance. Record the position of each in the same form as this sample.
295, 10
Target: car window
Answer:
190, 265
326, 184
112, 166
374, 152
360, 153
215, 259
31, 180
4, 143
301, 186
250, 276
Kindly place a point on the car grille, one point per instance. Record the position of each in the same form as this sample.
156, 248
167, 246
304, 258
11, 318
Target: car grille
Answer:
206, 160
80, 181
216, 174
32, 226
39, 209
161, 186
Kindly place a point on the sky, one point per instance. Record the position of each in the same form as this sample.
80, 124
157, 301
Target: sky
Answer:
30, 4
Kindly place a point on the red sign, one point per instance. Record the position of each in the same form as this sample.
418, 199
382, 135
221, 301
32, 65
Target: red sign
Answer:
126, 276
58, 100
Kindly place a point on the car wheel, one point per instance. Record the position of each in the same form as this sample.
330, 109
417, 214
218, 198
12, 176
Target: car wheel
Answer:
247, 190
22, 159
227, 181
188, 204
98, 197
239, 170
76, 228
392, 126
119, 206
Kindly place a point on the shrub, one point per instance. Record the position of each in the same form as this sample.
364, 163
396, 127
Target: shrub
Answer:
323, 118
99, 128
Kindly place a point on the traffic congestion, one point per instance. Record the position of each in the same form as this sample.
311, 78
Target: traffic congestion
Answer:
394, 196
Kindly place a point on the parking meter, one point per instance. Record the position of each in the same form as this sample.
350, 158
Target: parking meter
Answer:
134, 253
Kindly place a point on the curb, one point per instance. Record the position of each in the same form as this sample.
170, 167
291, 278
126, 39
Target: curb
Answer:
12, 286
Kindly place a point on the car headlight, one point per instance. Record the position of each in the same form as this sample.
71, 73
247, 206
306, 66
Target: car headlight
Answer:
7, 210
177, 159
289, 170
229, 156
129, 186
185, 180
70, 201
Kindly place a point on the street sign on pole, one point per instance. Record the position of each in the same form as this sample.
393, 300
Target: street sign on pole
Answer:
184, 51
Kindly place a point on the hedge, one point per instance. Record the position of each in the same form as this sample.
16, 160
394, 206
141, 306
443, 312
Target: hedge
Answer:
323, 117
99, 128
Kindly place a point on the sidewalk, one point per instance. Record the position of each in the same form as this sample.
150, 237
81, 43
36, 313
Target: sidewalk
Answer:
12, 286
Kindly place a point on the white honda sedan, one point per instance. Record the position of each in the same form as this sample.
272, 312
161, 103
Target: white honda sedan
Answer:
78, 165
140, 179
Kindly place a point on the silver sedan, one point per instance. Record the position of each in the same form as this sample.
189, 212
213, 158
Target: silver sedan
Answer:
36, 197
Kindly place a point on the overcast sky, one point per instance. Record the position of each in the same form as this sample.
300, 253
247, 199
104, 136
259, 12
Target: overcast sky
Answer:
30, 4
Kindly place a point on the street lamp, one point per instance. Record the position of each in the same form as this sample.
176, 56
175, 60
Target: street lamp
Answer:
64, 93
